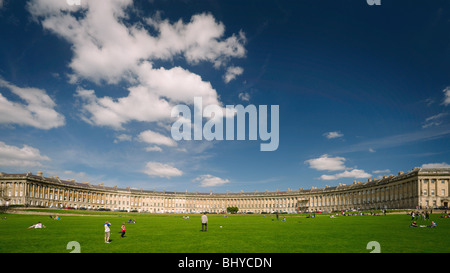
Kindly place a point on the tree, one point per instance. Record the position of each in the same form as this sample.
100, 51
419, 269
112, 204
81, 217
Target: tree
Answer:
232, 210
4, 199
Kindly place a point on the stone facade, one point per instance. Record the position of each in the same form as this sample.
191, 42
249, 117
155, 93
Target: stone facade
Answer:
419, 188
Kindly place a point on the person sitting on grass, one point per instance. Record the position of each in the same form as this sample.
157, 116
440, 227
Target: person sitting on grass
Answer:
38, 225
433, 224
413, 224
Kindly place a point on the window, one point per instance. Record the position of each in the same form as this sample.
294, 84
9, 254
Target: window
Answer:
424, 192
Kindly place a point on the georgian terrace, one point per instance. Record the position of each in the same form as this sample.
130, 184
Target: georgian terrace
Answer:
424, 188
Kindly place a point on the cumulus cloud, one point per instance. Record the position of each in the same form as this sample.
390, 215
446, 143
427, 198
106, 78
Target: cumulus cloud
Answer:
161, 170
382, 171
27, 156
331, 135
139, 105
208, 180
105, 49
355, 173
327, 163
150, 101
232, 73
435, 165
201, 39
152, 137
36, 111
153, 149
122, 137
244, 96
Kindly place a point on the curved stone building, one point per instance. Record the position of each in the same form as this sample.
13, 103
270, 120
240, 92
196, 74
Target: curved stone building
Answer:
419, 188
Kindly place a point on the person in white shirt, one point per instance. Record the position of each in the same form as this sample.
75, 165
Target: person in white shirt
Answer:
204, 222
107, 231
38, 225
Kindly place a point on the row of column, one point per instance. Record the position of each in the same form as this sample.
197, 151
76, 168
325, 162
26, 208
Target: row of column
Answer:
401, 194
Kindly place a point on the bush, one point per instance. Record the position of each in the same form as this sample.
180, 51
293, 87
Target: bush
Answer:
233, 210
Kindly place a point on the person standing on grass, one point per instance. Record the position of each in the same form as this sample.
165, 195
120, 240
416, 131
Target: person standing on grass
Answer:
123, 230
107, 231
204, 222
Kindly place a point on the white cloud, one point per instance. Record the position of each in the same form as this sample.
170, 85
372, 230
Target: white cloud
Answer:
139, 105
161, 170
151, 137
244, 96
150, 101
75, 175
199, 40
372, 150
355, 173
435, 120
446, 96
105, 49
232, 73
122, 137
153, 149
326, 163
27, 156
382, 171
37, 111
331, 135
208, 180
435, 165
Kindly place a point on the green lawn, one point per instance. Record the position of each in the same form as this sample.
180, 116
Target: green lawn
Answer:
239, 234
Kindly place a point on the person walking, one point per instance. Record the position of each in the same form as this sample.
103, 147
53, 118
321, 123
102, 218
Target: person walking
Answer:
107, 231
123, 230
204, 222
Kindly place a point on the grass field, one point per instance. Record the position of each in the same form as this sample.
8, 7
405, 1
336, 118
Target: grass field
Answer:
239, 234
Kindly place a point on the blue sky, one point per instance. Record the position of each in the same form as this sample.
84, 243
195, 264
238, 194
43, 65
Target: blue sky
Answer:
86, 91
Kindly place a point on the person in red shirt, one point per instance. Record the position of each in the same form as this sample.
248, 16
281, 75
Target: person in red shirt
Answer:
123, 230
